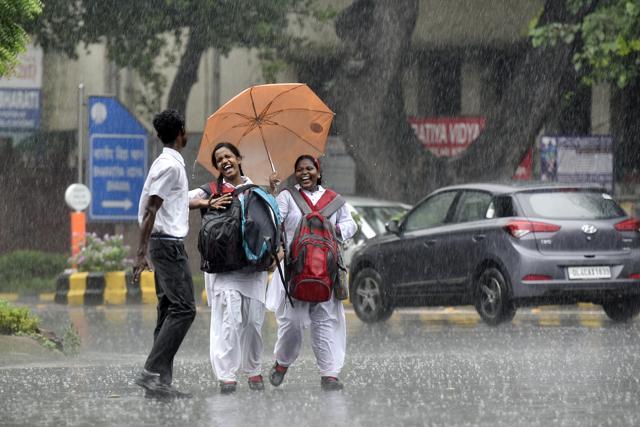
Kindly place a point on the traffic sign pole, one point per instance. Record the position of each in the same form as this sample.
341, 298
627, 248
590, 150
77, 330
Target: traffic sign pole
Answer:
78, 198
78, 232
80, 130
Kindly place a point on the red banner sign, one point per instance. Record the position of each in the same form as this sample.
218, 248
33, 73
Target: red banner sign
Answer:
450, 136
447, 136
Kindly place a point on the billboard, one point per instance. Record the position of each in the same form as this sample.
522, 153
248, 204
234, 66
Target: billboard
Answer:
450, 136
447, 136
577, 159
20, 93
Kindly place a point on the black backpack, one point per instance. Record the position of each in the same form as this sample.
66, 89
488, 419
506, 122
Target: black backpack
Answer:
220, 237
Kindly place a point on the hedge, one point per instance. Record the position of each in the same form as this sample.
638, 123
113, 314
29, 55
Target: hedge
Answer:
30, 271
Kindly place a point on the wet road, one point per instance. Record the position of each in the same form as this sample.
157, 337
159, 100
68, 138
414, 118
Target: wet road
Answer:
552, 366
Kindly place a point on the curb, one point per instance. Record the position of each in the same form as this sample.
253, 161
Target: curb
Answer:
110, 288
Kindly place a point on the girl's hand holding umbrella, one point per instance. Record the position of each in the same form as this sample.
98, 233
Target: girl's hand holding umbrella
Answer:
274, 183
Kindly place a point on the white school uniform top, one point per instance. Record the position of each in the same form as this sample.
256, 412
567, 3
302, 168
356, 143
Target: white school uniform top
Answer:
292, 216
167, 179
251, 284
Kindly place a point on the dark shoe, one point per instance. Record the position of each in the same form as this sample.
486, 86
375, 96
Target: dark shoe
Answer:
256, 383
150, 381
276, 374
330, 384
228, 387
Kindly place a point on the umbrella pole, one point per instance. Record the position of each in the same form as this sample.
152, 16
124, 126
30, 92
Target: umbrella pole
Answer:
264, 142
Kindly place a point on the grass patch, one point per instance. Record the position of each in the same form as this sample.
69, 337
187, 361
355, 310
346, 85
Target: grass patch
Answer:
19, 321
30, 272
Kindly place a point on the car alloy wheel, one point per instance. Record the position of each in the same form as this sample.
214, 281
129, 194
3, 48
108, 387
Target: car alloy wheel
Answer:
369, 298
492, 298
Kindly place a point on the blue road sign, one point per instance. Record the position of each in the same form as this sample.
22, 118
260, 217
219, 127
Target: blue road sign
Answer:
117, 162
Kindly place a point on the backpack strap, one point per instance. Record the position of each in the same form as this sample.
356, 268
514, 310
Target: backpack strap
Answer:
207, 188
328, 204
333, 206
300, 201
213, 188
242, 189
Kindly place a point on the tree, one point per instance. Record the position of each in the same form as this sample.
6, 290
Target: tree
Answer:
367, 94
608, 35
14, 16
147, 36
607, 41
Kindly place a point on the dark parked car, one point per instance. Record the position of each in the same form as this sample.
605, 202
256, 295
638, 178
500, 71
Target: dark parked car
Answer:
499, 247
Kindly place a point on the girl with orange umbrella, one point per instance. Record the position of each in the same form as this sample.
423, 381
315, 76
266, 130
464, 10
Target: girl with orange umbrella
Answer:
237, 297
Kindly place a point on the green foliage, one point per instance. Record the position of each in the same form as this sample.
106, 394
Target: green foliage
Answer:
30, 272
14, 16
607, 39
15, 320
147, 36
24, 265
108, 253
70, 341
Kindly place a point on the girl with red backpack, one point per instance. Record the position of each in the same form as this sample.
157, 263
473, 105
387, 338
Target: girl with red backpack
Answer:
236, 297
326, 319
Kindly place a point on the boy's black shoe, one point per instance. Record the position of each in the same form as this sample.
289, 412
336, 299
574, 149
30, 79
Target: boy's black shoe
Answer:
276, 374
150, 381
227, 387
256, 383
330, 384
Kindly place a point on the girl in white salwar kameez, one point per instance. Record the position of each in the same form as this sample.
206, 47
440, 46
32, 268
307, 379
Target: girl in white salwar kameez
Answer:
236, 298
327, 319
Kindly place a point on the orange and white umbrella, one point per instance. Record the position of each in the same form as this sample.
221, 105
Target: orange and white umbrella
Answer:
271, 125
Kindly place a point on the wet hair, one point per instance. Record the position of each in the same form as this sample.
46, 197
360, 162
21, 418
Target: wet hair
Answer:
231, 148
313, 160
168, 125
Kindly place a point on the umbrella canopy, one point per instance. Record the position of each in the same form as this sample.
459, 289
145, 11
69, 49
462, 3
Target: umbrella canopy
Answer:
271, 125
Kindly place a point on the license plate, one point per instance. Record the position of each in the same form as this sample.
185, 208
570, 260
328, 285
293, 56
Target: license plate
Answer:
578, 273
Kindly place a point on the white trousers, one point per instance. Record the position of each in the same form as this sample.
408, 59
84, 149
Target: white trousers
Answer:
328, 327
236, 335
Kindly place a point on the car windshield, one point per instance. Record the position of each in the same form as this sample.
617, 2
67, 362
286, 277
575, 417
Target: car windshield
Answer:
378, 216
569, 204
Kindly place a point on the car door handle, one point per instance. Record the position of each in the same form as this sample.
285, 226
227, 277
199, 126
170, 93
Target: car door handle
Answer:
478, 237
429, 243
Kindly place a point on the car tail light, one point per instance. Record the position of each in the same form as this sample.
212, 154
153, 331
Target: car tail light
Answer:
634, 276
631, 224
520, 229
538, 277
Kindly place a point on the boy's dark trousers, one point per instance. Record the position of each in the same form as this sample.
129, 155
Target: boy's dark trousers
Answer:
176, 304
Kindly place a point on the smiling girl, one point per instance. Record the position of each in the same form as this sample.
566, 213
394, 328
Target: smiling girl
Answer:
237, 297
326, 319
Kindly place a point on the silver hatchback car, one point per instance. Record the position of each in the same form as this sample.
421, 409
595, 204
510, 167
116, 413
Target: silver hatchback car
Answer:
500, 247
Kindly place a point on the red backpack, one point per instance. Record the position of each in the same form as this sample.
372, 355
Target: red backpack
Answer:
312, 262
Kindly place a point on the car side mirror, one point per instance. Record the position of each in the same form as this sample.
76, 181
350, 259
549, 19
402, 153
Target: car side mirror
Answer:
393, 226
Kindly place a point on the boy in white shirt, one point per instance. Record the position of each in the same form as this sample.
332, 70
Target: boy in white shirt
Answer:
164, 220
